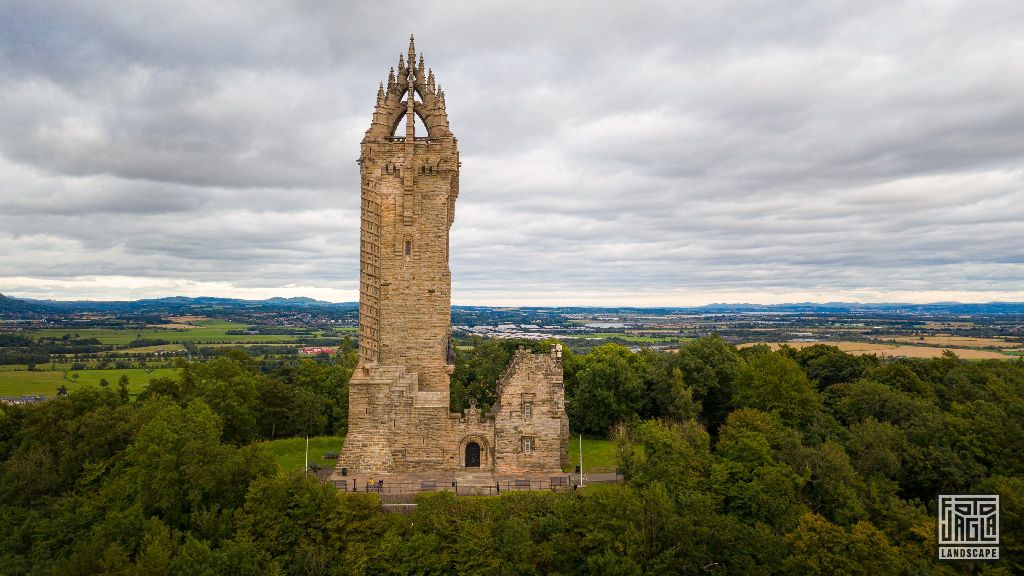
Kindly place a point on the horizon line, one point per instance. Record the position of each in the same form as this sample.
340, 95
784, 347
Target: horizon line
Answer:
510, 305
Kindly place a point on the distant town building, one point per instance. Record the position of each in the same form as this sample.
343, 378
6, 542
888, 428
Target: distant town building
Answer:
314, 350
12, 400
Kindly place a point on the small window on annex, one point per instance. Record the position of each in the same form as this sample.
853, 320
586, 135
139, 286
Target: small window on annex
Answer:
527, 410
408, 247
528, 444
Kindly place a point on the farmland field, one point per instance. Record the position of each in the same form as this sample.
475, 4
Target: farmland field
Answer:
941, 325
946, 340
32, 383
46, 382
894, 350
151, 349
137, 377
206, 331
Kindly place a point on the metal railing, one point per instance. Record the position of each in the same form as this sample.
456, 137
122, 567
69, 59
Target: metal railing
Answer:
554, 483
395, 487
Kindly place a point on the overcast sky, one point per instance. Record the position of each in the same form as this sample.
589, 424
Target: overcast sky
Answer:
617, 153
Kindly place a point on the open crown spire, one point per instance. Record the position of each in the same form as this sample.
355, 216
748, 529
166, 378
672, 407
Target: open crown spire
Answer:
412, 80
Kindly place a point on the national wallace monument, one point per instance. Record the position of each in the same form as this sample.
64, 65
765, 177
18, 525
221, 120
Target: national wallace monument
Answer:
399, 417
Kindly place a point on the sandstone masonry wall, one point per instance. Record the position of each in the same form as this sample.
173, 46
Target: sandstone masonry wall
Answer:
389, 432
399, 394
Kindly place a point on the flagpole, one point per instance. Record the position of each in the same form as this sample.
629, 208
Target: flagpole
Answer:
306, 469
581, 459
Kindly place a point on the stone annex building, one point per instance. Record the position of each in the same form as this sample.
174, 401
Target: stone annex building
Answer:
399, 417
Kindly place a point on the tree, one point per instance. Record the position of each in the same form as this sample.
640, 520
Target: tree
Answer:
875, 448
668, 395
709, 367
227, 384
179, 468
900, 376
748, 475
275, 410
122, 388
827, 365
479, 366
606, 389
675, 455
835, 488
773, 383
817, 546
858, 400
290, 518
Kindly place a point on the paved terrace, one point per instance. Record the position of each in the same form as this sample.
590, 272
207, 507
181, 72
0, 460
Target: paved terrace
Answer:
475, 483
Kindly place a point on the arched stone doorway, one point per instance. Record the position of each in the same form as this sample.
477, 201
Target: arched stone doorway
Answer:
472, 455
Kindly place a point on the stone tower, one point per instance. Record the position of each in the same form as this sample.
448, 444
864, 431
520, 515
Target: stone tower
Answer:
399, 418
409, 186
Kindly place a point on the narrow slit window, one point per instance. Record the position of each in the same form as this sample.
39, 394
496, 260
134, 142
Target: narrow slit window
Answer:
408, 247
528, 410
527, 445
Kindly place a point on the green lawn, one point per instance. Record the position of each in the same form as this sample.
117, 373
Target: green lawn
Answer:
149, 349
208, 331
108, 335
290, 452
31, 383
137, 377
46, 382
598, 454
18, 367
277, 345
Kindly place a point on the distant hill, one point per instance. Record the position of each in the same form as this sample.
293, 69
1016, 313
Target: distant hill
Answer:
890, 308
846, 308
197, 305
8, 304
169, 305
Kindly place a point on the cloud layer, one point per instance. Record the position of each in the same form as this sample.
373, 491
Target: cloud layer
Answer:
652, 153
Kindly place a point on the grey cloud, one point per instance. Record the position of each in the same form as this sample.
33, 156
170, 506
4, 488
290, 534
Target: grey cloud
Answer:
626, 148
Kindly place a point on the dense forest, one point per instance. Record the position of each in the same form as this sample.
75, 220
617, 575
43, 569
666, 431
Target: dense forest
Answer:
747, 461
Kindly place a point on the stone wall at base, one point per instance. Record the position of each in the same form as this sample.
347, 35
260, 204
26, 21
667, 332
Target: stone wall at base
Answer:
367, 446
531, 429
396, 428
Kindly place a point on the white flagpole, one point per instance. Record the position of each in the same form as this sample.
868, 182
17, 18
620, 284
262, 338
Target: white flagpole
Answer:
306, 469
581, 459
